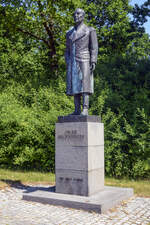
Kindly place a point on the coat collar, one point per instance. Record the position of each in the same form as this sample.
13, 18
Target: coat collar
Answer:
79, 33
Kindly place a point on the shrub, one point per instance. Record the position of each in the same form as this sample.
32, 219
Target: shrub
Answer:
27, 131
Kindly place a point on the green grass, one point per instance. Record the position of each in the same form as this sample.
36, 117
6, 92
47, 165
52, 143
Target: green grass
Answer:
141, 187
7, 177
24, 177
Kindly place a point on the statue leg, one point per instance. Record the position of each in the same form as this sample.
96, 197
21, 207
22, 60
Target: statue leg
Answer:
85, 104
77, 104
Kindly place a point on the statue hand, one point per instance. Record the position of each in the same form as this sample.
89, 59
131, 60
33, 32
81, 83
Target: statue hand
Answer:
93, 66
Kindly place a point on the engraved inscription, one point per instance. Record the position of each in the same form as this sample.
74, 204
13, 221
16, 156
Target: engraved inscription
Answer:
70, 179
71, 135
79, 179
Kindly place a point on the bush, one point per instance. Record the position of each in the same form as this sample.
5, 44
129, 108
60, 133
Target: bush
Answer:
122, 90
27, 131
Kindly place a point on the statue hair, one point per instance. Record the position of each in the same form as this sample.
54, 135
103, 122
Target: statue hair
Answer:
81, 11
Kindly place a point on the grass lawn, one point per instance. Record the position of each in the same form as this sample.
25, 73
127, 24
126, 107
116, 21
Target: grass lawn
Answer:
7, 177
141, 187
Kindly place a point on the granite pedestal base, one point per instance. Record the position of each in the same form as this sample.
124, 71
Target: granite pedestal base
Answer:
79, 155
106, 199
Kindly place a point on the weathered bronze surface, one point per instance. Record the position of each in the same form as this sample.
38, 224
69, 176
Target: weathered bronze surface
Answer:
81, 57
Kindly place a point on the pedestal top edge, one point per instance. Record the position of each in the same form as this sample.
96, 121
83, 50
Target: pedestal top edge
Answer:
79, 118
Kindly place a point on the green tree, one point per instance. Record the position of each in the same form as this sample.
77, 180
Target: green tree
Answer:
140, 14
46, 22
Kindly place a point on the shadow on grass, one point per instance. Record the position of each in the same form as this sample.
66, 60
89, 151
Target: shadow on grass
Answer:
27, 188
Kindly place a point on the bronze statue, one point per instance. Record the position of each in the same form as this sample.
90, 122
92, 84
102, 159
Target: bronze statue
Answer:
81, 57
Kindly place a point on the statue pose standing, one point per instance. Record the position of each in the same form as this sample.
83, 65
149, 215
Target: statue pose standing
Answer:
81, 57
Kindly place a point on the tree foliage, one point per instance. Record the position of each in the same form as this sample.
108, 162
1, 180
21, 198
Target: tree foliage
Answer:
140, 13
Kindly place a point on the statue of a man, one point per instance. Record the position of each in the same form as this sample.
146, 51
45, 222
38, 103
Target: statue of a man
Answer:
81, 57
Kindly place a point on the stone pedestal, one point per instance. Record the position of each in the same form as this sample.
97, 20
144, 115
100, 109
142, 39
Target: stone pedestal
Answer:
80, 168
79, 155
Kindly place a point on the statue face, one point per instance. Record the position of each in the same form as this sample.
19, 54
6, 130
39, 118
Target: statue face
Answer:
78, 16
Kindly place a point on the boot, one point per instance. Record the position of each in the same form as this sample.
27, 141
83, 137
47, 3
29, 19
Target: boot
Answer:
85, 104
77, 103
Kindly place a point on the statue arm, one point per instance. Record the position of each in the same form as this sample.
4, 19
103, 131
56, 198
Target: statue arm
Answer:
93, 48
67, 51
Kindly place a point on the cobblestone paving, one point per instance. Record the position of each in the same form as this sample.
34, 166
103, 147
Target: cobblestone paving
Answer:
14, 211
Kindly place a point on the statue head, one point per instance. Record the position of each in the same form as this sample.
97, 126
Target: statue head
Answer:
79, 16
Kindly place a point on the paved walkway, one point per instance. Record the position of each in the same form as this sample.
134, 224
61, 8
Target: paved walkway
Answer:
14, 211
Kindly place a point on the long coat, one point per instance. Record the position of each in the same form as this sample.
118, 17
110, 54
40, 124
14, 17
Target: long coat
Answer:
81, 51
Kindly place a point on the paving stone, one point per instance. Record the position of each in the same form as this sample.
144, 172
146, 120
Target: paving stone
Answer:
14, 211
